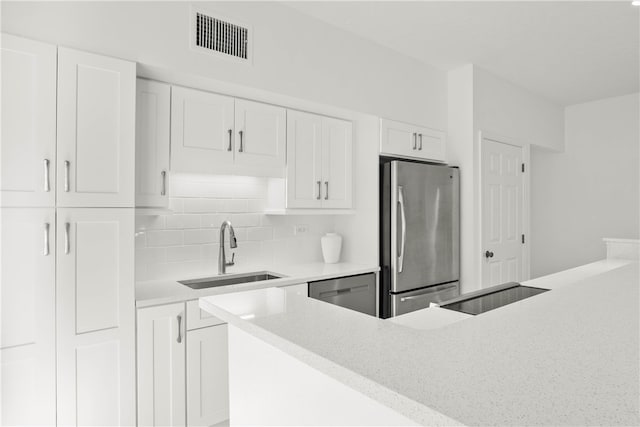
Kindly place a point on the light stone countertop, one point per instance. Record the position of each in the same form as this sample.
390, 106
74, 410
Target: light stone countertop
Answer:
569, 356
167, 291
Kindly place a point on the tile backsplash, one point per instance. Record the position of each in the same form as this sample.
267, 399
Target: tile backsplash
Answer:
185, 243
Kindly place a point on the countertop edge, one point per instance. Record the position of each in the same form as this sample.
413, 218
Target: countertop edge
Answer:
405, 406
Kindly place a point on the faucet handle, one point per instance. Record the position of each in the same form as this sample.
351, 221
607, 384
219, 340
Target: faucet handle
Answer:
233, 257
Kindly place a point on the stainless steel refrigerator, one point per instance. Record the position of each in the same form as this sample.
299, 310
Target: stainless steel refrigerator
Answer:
420, 234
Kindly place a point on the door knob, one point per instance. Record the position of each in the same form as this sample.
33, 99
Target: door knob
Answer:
488, 254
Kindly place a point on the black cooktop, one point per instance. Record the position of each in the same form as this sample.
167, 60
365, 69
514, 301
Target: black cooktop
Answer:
481, 303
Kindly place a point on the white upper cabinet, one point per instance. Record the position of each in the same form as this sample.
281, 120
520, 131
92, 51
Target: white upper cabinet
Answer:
96, 130
95, 317
27, 310
153, 110
319, 161
260, 134
337, 163
304, 160
218, 134
28, 150
201, 130
407, 140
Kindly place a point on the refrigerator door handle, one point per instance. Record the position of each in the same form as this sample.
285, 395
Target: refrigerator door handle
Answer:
403, 226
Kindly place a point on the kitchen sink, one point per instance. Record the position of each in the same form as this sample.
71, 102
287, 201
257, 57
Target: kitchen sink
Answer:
230, 279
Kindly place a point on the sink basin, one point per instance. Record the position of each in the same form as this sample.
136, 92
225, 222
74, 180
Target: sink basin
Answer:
230, 279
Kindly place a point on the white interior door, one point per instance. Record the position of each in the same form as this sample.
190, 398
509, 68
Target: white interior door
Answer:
260, 134
207, 376
201, 130
27, 309
153, 110
27, 152
96, 130
95, 317
161, 365
501, 203
337, 166
304, 160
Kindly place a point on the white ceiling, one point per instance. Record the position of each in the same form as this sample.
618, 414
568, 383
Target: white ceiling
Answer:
568, 52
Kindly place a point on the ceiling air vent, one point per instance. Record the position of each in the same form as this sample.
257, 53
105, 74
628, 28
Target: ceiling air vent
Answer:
220, 36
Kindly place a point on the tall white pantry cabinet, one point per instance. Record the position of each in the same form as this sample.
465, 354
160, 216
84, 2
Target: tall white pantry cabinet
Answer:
67, 343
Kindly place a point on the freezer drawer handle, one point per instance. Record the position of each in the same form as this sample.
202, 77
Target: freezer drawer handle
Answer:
335, 292
403, 227
425, 295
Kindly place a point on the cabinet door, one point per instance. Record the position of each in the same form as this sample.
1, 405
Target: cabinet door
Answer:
207, 376
337, 165
153, 109
95, 317
304, 160
260, 134
27, 153
96, 130
431, 144
27, 310
397, 138
161, 365
201, 130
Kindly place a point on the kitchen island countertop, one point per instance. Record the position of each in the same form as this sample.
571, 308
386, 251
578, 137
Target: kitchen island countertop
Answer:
567, 356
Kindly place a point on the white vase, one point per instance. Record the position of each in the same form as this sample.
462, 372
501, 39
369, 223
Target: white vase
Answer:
331, 245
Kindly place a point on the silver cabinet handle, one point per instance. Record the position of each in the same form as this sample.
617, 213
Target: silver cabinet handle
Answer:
46, 238
179, 329
66, 175
163, 190
415, 140
47, 185
319, 190
67, 242
241, 148
420, 146
230, 137
403, 227
326, 187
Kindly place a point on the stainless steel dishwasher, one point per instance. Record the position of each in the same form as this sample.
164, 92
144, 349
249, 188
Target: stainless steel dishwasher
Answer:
354, 292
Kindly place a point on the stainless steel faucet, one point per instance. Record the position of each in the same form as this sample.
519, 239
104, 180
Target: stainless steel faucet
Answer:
222, 260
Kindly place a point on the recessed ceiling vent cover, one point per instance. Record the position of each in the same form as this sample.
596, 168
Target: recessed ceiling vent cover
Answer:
220, 36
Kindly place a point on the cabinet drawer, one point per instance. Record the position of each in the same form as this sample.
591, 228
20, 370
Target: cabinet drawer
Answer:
197, 318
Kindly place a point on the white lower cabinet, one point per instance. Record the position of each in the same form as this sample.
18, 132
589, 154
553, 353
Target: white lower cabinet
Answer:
207, 376
161, 366
182, 375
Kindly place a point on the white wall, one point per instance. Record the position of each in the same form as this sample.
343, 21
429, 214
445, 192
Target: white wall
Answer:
506, 109
461, 152
591, 190
294, 54
482, 102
